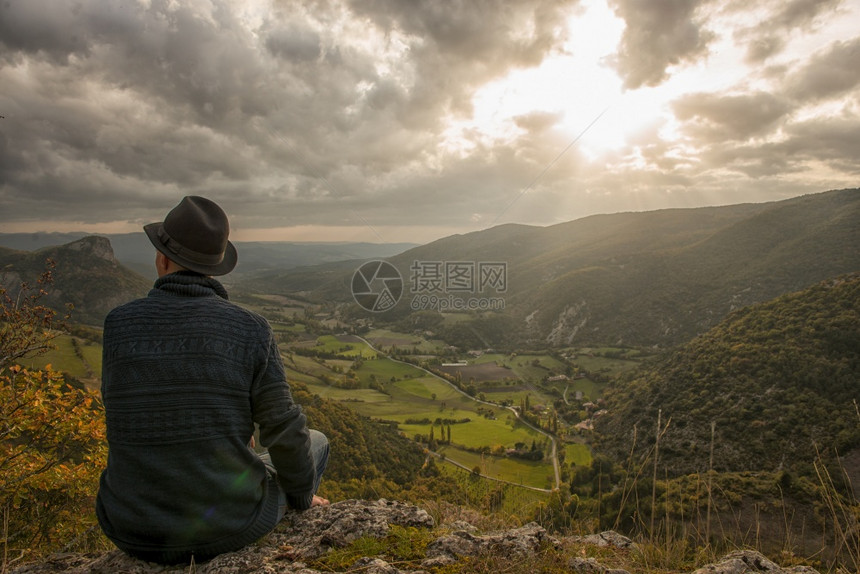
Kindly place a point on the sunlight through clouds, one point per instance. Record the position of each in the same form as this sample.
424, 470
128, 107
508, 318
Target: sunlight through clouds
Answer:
419, 118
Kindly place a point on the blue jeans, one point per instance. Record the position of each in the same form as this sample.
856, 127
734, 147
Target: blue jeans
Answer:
319, 452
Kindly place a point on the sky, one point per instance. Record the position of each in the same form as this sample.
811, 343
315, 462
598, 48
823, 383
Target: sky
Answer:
410, 120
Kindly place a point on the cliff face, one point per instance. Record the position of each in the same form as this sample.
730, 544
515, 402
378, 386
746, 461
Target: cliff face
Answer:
303, 541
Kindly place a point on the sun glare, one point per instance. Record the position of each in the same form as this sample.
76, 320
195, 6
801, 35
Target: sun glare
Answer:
577, 86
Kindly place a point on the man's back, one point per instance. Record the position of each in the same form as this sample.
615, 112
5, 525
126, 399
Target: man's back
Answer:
185, 375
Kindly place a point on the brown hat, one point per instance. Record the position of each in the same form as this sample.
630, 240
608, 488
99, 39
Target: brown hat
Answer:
194, 235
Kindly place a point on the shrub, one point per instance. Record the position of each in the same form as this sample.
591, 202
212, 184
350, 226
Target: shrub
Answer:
52, 438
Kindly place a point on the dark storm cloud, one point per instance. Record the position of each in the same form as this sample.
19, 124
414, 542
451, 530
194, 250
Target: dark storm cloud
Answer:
142, 101
659, 34
330, 112
457, 46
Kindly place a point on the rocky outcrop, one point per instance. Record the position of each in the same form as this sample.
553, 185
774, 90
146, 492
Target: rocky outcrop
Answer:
94, 246
303, 537
525, 541
748, 562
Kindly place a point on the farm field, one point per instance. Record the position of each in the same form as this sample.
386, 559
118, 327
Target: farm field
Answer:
492, 495
593, 360
396, 391
380, 338
529, 473
347, 395
286, 328
578, 454
345, 346
87, 367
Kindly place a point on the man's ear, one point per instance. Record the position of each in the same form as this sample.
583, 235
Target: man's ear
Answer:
162, 263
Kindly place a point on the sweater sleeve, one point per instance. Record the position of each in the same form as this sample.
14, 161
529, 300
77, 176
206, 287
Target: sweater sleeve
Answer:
283, 429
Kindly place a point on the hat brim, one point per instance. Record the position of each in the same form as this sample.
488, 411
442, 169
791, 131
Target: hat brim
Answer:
225, 266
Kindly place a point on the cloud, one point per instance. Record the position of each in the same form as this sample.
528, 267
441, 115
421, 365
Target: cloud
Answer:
659, 34
770, 35
360, 112
314, 104
829, 74
713, 117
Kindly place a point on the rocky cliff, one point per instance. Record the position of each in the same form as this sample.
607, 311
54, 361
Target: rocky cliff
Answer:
304, 543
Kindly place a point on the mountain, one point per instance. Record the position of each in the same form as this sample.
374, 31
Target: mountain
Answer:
779, 381
646, 278
86, 275
136, 252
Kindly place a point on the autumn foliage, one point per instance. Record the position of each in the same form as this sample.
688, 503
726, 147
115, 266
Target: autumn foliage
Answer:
52, 438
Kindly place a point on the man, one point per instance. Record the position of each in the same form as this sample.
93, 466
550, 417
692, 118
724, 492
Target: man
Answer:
185, 375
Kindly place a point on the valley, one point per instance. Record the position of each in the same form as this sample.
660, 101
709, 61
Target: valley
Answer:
515, 416
684, 374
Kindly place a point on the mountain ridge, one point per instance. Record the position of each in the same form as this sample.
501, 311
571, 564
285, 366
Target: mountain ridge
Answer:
136, 252
653, 278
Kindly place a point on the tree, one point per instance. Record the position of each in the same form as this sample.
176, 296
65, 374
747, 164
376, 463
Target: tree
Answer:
52, 437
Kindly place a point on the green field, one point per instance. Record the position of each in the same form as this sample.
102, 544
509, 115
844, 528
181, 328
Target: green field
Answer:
380, 338
285, 328
351, 396
352, 348
309, 366
383, 369
409, 393
87, 367
535, 474
578, 454
592, 360
494, 496
590, 390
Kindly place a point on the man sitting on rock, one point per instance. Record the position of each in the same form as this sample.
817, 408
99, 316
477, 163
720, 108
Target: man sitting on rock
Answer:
185, 376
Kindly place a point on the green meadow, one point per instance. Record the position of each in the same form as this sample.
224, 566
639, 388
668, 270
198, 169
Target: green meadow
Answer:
530, 473
494, 496
578, 454
597, 361
380, 338
86, 366
351, 348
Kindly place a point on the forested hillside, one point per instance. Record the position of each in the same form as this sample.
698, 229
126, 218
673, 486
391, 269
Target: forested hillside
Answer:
779, 381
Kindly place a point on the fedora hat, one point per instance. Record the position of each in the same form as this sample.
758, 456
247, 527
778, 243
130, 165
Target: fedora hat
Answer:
194, 235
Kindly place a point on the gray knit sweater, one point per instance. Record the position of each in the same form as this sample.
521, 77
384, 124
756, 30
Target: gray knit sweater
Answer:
185, 376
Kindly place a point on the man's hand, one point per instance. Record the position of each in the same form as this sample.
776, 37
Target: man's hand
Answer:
319, 501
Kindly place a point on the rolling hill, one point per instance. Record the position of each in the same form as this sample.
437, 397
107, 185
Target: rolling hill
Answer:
648, 278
